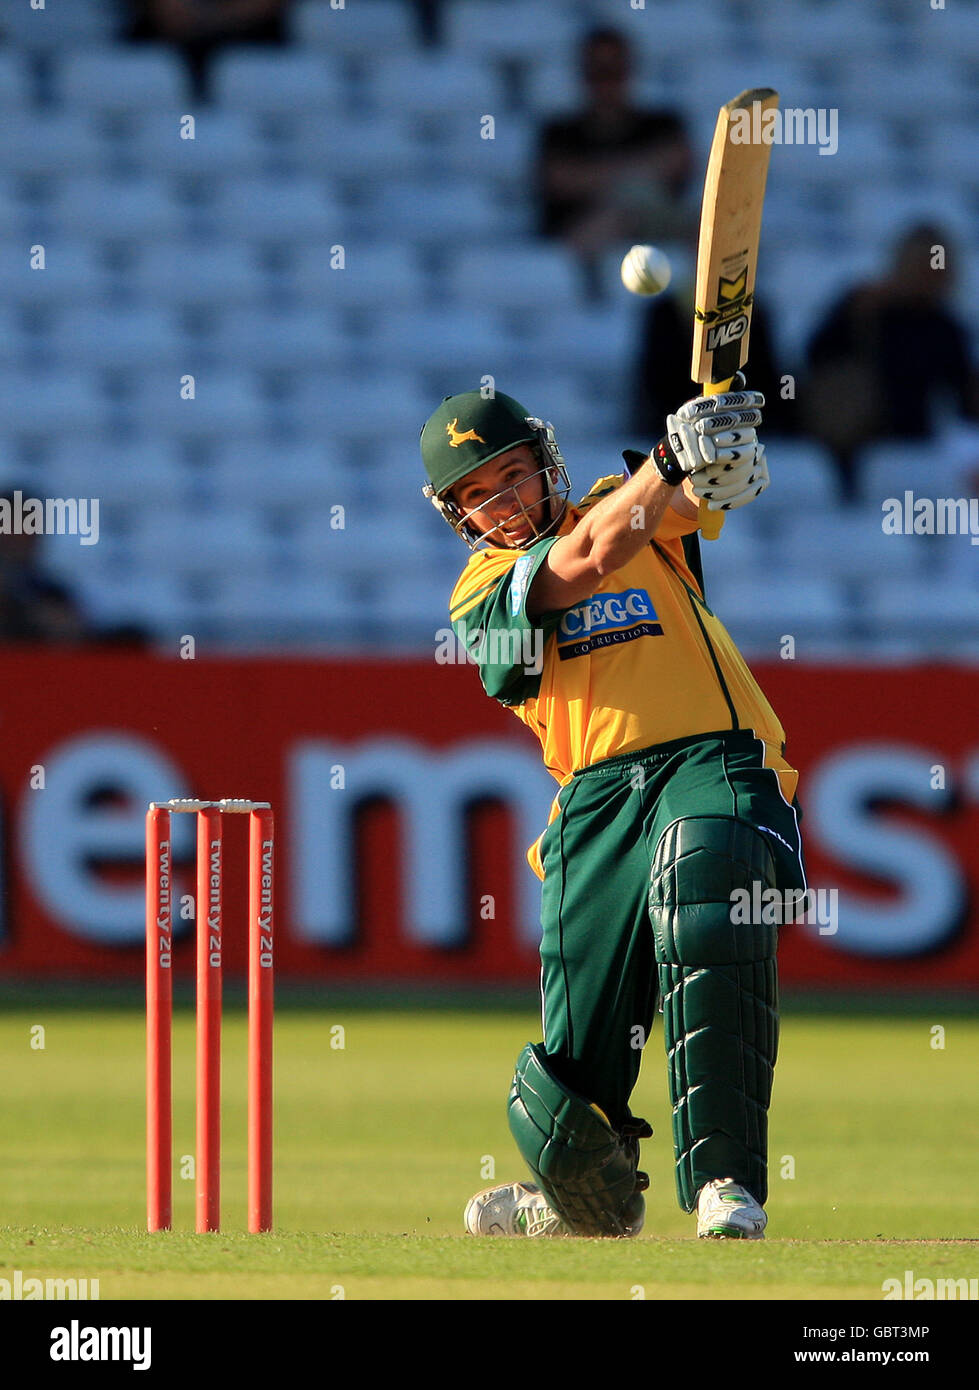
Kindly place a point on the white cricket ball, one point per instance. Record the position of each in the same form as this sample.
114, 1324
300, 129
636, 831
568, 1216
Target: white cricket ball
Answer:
645, 270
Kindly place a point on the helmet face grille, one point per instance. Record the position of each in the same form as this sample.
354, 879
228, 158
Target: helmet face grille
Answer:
557, 486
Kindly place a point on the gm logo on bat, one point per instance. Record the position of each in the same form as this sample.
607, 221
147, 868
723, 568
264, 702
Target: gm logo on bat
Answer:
724, 333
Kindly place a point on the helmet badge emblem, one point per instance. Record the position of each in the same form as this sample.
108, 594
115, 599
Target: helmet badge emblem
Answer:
456, 437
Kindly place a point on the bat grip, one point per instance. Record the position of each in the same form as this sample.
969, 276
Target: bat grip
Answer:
710, 523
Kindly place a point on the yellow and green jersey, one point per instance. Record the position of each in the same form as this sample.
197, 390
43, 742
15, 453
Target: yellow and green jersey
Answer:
641, 662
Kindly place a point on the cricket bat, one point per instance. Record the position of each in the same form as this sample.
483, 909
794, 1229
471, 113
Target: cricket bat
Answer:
727, 255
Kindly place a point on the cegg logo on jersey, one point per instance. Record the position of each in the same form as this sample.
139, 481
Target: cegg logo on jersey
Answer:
605, 620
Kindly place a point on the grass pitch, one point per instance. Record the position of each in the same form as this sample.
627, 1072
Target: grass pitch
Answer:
388, 1119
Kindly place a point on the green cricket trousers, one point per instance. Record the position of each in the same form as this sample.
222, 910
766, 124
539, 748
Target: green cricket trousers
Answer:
599, 979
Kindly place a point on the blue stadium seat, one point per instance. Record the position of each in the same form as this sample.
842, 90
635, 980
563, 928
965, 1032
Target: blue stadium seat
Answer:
269, 209
741, 554
274, 609
354, 407
280, 477
868, 150
600, 338
58, 28
40, 143
157, 601
228, 403
525, 276
361, 151
927, 83
15, 339
756, 611
113, 209
298, 338
507, 160
951, 152
119, 336
942, 618
956, 563
412, 612
196, 272
447, 338
52, 403
300, 86
376, 274
417, 83
802, 477
358, 30
16, 86
226, 145
75, 272
879, 212
950, 33
823, 33
322, 551
943, 467
662, 31
140, 475
846, 546
561, 398
120, 81
18, 222
497, 29
588, 458
192, 540
438, 214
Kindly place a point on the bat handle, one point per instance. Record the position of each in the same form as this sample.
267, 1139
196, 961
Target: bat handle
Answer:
710, 523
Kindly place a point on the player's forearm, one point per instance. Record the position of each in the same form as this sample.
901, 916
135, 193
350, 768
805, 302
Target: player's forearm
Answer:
685, 502
615, 529
622, 524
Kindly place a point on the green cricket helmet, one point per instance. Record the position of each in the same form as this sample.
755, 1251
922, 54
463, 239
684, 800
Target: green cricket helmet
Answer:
469, 430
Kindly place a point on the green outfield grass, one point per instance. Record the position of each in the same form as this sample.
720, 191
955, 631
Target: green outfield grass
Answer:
380, 1142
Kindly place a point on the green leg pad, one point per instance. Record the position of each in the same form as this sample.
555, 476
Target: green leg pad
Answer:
719, 989
586, 1170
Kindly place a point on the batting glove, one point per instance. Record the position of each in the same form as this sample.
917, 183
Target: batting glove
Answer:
714, 441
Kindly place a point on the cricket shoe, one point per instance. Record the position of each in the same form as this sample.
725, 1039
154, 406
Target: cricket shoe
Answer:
518, 1209
725, 1210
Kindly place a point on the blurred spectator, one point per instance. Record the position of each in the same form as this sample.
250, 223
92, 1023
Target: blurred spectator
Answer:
34, 607
199, 28
888, 357
612, 172
428, 16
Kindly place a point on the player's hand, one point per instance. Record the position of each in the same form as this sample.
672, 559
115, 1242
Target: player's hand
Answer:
734, 483
710, 429
714, 439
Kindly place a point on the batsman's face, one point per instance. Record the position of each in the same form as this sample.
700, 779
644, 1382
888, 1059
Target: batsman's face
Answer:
505, 499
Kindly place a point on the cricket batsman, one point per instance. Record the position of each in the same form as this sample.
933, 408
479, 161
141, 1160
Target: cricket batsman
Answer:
674, 793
